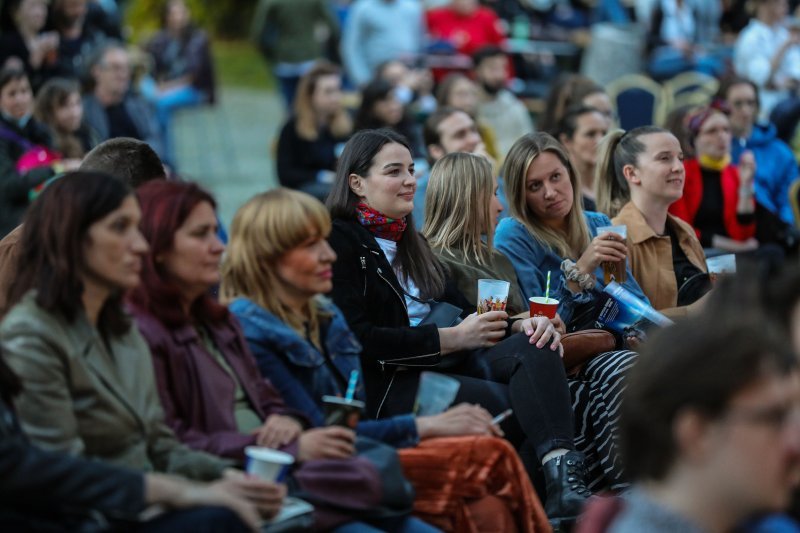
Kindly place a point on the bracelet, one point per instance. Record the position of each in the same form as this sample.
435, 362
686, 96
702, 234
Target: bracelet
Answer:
572, 273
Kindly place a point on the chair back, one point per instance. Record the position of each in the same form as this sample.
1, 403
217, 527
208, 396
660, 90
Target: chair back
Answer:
689, 88
638, 99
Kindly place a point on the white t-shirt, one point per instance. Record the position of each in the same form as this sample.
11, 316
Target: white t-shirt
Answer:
416, 310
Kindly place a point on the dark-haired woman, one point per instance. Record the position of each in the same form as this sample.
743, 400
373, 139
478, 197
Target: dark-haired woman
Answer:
88, 378
23, 41
19, 134
385, 282
580, 131
58, 107
381, 108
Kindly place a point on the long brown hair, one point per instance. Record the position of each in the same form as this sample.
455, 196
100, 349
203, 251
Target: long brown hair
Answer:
414, 256
574, 241
51, 96
305, 118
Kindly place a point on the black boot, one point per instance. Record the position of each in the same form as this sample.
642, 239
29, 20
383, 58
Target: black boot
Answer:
566, 489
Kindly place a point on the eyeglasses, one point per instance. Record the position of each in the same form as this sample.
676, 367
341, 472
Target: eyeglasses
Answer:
775, 417
739, 104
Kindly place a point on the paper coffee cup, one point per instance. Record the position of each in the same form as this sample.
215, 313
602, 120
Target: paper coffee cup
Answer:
342, 412
541, 306
266, 463
492, 295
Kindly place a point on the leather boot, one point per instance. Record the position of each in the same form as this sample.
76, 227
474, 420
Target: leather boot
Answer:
566, 489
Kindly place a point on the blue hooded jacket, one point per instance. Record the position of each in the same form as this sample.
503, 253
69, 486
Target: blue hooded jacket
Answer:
776, 169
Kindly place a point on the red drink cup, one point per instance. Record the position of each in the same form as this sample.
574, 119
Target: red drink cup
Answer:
541, 306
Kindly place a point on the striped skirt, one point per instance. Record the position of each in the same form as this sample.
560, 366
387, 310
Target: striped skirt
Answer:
596, 392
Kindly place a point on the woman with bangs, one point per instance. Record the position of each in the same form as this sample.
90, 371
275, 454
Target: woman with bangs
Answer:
465, 182
277, 268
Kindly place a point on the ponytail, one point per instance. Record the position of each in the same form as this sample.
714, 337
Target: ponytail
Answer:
610, 188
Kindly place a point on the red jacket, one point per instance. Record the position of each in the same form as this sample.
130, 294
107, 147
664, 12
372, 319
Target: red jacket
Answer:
686, 208
466, 33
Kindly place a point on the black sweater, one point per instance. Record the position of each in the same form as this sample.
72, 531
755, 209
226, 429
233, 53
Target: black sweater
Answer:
299, 160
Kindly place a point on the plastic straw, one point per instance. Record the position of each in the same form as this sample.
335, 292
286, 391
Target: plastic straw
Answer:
547, 289
351, 385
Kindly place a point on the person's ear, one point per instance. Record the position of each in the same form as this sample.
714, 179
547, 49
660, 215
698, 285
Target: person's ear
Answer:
694, 436
631, 175
563, 139
356, 183
436, 151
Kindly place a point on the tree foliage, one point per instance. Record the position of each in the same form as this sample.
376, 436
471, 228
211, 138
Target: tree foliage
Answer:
223, 18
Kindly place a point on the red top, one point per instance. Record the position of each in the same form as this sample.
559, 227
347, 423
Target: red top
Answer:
467, 33
686, 208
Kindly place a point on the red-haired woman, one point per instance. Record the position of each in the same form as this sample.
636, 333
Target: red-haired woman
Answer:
213, 395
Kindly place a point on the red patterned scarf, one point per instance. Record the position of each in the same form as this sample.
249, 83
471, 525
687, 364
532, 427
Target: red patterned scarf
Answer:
379, 224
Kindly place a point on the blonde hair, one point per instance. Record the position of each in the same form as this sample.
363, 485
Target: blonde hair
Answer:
460, 183
264, 229
305, 118
569, 244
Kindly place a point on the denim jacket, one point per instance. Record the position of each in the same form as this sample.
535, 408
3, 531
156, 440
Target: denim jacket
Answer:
298, 369
533, 259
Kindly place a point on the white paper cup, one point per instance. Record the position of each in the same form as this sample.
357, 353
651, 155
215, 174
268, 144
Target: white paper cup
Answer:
267, 464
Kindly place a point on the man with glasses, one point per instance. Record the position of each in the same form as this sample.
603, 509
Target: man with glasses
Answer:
776, 166
110, 107
710, 427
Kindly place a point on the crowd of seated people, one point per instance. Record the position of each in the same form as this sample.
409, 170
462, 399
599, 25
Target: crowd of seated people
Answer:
141, 354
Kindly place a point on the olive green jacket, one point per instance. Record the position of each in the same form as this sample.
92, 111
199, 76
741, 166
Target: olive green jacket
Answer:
87, 397
466, 271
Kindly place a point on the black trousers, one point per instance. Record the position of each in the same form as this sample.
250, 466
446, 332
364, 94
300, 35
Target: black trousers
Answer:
513, 373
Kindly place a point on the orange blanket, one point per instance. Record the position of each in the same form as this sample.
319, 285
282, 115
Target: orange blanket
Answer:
459, 478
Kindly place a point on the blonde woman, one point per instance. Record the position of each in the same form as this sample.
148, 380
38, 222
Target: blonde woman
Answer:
548, 231
464, 183
313, 137
277, 267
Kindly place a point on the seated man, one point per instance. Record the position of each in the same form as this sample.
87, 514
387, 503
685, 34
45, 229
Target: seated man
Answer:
110, 108
498, 106
709, 426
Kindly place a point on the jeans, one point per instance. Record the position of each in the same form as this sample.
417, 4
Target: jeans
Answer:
407, 525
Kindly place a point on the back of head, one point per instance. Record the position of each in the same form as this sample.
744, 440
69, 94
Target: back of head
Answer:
165, 207
568, 91
129, 160
264, 229
55, 232
694, 366
460, 183
618, 149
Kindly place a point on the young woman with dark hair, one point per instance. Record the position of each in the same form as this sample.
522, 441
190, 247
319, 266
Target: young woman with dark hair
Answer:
88, 384
58, 107
381, 108
386, 281
19, 134
580, 131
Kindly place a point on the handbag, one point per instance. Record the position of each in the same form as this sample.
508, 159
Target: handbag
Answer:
582, 346
369, 485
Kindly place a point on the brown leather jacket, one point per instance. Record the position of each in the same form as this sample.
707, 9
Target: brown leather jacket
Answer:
650, 256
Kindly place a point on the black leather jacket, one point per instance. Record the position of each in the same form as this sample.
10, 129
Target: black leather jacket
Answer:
367, 291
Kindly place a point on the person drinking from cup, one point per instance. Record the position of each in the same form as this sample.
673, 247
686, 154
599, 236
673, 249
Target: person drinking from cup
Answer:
209, 384
277, 267
665, 256
387, 280
548, 230
464, 182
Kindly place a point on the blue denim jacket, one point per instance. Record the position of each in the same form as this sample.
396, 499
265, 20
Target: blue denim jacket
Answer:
532, 260
298, 369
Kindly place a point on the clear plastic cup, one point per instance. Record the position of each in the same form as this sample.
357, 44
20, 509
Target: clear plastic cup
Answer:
492, 295
615, 270
435, 393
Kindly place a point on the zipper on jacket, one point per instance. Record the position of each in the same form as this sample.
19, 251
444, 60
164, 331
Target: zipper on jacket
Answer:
364, 269
385, 395
401, 361
380, 275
